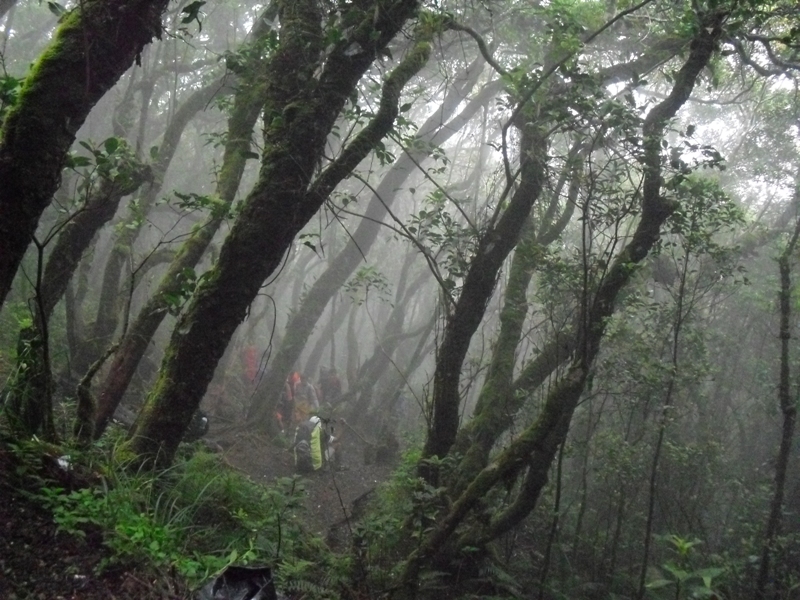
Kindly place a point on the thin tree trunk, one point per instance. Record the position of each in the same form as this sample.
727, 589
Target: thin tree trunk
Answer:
666, 409
789, 412
551, 537
536, 446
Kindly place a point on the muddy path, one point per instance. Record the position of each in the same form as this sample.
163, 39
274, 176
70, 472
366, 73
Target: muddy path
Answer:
330, 493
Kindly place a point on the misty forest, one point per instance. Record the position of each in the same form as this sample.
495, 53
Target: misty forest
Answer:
529, 270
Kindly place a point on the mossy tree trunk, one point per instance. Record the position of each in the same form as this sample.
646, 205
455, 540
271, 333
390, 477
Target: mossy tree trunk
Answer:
106, 319
26, 393
247, 105
306, 89
533, 451
479, 282
94, 45
492, 250
500, 399
302, 322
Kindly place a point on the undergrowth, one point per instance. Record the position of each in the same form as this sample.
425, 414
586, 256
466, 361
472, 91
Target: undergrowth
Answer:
195, 518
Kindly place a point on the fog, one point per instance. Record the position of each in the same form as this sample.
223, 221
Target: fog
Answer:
560, 274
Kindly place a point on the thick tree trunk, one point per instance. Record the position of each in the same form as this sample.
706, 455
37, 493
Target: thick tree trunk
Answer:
246, 108
306, 91
94, 45
303, 321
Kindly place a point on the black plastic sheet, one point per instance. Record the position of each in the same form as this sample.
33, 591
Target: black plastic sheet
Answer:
240, 583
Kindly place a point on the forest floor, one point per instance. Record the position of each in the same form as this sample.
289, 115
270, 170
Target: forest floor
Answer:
39, 562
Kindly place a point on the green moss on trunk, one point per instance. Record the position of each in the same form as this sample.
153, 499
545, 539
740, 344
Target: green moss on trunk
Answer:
94, 45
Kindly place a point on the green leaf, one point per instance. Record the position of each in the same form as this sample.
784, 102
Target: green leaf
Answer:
75, 161
192, 12
658, 584
56, 8
111, 145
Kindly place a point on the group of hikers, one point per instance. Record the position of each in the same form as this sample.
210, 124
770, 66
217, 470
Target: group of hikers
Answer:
314, 441
301, 398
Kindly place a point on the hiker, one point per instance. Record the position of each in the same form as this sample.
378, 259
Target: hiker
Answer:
313, 445
284, 413
249, 364
330, 386
305, 399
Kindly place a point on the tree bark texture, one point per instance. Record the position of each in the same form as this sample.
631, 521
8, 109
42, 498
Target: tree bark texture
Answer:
94, 45
305, 92
303, 321
247, 105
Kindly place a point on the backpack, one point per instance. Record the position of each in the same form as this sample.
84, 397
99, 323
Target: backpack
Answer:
197, 428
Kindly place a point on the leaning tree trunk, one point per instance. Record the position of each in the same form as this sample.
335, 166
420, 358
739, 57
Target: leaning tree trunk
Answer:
26, 391
499, 398
302, 322
106, 320
479, 283
536, 446
492, 250
246, 108
307, 87
94, 45
79, 232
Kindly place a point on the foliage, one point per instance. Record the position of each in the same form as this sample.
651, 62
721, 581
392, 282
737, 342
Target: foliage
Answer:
368, 279
196, 517
683, 579
9, 91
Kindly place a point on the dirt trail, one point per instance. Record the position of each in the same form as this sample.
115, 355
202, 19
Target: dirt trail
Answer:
330, 494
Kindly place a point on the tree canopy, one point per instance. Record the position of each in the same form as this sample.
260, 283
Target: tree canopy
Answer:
551, 245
